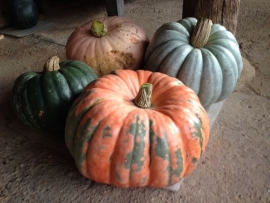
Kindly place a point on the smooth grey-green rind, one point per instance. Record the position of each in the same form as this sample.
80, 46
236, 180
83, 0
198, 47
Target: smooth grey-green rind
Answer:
166, 55
188, 23
210, 85
164, 36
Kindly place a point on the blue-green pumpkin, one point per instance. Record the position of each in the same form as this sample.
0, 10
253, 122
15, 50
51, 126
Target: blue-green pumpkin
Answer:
204, 56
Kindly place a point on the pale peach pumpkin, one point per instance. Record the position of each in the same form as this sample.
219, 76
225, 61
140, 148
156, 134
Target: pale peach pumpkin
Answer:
107, 44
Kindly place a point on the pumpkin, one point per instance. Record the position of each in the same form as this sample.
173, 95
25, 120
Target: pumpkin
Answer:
204, 56
136, 129
22, 13
107, 44
41, 100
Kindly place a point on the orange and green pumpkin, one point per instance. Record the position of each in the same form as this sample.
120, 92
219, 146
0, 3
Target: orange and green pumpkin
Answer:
136, 129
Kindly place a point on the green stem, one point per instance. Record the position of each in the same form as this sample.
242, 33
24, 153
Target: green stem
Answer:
98, 28
201, 33
143, 98
52, 64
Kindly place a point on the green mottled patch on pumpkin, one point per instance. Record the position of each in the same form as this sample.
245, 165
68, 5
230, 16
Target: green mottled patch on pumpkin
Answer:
144, 179
118, 177
179, 163
96, 102
194, 160
162, 150
198, 132
178, 83
106, 133
137, 130
85, 134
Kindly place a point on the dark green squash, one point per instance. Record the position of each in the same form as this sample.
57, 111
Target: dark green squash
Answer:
41, 100
22, 14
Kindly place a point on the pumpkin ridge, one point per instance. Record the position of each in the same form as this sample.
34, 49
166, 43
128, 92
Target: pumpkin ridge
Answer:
112, 166
132, 86
206, 94
173, 153
52, 100
30, 111
68, 74
191, 70
178, 35
75, 122
46, 82
80, 41
216, 28
159, 151
224, 51
79, 155
138, 148
223, 55
166, 63
189, 23
62, 93
186, 143
221, 35
160, 53
60, 80
74, 76
235, 51
17, 95
37, 103
165, 40
78, 65
175, 26
218, 41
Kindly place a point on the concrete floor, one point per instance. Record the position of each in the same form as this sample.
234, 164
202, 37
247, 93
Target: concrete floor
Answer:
235, 166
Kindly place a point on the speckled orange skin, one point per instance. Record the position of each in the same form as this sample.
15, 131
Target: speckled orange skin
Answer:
123, 46
115, 142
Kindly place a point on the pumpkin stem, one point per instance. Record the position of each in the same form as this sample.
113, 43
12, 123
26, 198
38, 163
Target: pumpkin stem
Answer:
201, 33
98, 28
143, 98
52, 64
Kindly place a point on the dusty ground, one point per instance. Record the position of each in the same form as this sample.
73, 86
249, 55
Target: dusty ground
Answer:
236, 165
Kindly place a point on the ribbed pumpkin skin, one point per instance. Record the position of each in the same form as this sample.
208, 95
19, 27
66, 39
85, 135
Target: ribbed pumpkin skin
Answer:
212, 71
41, 100
123, 47
115, 142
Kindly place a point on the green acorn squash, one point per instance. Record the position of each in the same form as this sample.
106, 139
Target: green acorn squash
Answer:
41, 100
204, 56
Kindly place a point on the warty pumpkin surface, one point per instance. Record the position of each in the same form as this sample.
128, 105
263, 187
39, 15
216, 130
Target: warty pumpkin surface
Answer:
108, 43
209, 62
114, 141
41, 100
